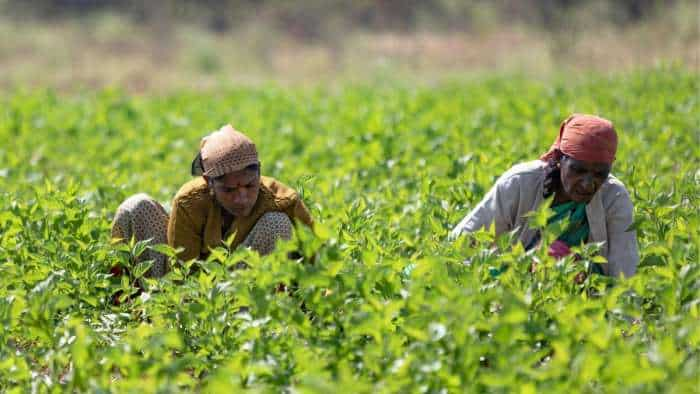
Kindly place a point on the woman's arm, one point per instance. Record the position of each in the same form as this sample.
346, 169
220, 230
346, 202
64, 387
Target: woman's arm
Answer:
498, 207
622, 256
182, 232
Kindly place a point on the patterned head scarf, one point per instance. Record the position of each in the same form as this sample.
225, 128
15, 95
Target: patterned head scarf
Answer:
586, 138
223, 151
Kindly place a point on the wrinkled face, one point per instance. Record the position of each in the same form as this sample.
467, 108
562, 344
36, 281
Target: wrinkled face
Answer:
580, 180
237, 192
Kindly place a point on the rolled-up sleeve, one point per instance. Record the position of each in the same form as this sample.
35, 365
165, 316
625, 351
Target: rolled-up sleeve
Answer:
301, 213
497, 207
623, 255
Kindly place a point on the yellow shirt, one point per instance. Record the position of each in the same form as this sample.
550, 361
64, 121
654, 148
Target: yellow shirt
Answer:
196, 223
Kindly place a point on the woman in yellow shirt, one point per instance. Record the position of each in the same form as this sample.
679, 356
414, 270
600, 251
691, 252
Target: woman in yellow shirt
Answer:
228, 196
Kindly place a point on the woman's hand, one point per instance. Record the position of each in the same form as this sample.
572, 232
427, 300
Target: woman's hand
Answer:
559, 249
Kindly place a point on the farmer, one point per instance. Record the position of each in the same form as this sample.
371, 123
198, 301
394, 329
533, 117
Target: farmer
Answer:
228, 196
576, 171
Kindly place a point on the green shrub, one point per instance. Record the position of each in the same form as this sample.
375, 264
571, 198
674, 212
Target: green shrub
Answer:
381, 301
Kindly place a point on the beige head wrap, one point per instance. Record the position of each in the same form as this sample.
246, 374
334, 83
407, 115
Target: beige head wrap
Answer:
223, 151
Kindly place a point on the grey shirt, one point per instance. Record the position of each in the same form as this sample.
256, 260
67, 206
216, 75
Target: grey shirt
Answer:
521, 190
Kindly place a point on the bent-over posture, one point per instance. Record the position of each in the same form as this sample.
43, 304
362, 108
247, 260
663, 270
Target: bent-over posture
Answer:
576, 170
228, 196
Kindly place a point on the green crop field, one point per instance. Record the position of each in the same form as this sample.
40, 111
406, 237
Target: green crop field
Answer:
381, 300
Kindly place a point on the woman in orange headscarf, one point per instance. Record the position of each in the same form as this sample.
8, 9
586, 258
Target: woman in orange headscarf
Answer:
576, 172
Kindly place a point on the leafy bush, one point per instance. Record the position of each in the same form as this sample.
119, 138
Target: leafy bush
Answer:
380, 300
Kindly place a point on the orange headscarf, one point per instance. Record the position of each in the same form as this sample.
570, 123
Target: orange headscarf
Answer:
586, 138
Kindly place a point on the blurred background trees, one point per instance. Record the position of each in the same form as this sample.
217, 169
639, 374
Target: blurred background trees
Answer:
308, 18
141, 45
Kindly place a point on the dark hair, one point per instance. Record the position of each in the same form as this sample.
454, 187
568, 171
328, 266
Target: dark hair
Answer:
552, 177
197, 168
252, 167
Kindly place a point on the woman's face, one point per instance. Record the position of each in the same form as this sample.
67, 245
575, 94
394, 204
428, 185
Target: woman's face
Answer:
238, 191
580, 180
